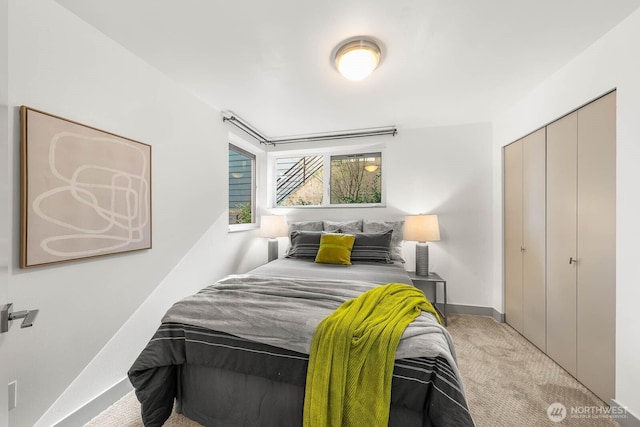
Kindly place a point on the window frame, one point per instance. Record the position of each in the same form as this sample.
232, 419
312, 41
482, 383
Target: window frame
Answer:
326, 192
232, 146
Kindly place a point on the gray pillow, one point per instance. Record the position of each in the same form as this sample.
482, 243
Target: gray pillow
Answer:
370, 226
372, 247
305, 226
349, 227
304, 244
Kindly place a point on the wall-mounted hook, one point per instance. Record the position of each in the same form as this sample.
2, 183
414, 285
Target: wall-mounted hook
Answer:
7, 315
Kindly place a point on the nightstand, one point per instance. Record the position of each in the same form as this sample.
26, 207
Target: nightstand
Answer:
432, 280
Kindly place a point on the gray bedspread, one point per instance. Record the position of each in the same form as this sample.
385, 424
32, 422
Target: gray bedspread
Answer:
284, 312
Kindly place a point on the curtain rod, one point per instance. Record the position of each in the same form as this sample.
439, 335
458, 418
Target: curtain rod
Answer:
243, 125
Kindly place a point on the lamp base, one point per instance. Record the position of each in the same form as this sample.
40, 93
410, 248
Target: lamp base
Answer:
273, 250
422, 259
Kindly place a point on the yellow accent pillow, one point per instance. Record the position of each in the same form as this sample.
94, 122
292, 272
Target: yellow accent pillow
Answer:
335, 249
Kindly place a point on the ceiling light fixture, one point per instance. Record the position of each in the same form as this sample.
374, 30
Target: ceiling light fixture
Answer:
356, 58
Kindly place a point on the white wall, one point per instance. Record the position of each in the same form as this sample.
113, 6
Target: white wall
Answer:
611, 62
443, 170
61, 65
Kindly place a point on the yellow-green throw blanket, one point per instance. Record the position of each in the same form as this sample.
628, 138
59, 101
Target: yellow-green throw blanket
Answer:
352, 357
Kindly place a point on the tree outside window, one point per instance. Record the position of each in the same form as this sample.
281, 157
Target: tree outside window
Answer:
356, 179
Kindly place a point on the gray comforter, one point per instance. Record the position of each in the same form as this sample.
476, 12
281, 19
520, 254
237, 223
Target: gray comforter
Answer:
284, 312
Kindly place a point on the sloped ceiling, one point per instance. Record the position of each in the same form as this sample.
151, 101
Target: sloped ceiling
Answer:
445, 61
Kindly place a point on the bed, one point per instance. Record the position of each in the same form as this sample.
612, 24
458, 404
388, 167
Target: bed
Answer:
236, 353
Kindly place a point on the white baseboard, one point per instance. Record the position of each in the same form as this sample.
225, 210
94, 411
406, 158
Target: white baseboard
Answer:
97, 405
627, 419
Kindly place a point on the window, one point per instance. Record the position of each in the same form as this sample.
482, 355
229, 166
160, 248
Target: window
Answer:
242, 165
353, 179
356, 179
299, 180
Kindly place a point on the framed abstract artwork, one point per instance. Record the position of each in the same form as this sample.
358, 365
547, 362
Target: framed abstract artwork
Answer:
84, 192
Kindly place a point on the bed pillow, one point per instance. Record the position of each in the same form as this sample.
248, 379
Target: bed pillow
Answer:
372, 247
305, 226
302, 226
370, 226
304, 244
343, 226
335, 249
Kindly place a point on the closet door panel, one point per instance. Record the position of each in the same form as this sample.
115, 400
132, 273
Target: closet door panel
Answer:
534, 210
596, 246
513, 234
562, 139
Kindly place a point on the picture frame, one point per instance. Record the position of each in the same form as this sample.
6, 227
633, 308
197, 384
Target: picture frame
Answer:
85, 192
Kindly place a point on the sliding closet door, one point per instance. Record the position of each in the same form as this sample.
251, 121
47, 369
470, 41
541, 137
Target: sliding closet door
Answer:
513, 234
562, 142
533, 271
597, 245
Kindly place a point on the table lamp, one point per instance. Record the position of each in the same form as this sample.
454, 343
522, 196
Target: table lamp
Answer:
272, 227
422, 229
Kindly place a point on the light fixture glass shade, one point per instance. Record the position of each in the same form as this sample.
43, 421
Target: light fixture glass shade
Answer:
421, 228
356, 59
273, 226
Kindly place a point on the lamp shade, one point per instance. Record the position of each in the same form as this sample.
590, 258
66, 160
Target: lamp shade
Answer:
421, 228
272, 226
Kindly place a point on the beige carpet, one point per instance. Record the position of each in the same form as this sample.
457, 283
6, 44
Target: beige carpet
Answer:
508, 382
